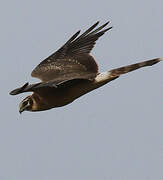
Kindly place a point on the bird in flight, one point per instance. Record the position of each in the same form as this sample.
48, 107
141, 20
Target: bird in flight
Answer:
70, 72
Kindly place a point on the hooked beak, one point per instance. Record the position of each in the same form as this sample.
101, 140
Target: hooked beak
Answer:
21, 110
25, 104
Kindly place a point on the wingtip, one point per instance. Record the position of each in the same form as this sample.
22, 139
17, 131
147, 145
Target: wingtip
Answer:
97, 23
14, 92
110, 27
78, 32
10, 93
17, 91
107, 23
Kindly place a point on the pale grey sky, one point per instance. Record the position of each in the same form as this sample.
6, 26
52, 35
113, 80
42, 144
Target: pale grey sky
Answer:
112, 133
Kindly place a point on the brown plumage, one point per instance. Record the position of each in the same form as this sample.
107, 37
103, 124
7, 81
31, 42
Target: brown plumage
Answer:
70, 73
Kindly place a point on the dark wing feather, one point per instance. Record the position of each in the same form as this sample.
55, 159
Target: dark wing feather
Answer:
72, 60
25, 88
42, 88
38, 87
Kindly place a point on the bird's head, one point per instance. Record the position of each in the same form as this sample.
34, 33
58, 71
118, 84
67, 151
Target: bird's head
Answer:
26, 104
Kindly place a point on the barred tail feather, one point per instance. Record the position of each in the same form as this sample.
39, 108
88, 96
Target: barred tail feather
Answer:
129, 68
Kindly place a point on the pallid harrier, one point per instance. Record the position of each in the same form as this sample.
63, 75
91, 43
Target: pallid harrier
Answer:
70, 73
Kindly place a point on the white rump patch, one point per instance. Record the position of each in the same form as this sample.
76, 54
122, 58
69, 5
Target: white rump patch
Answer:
102, 76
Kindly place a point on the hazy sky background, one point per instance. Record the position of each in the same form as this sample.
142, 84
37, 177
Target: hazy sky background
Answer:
112, 133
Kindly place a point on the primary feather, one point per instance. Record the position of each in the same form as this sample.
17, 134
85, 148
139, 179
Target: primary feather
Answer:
72, 60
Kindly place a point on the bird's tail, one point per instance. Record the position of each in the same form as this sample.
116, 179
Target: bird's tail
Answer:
125, 69
105, 77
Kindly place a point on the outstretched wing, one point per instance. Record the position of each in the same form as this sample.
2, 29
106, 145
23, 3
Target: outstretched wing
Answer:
72, 60
45, 87
32, 88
